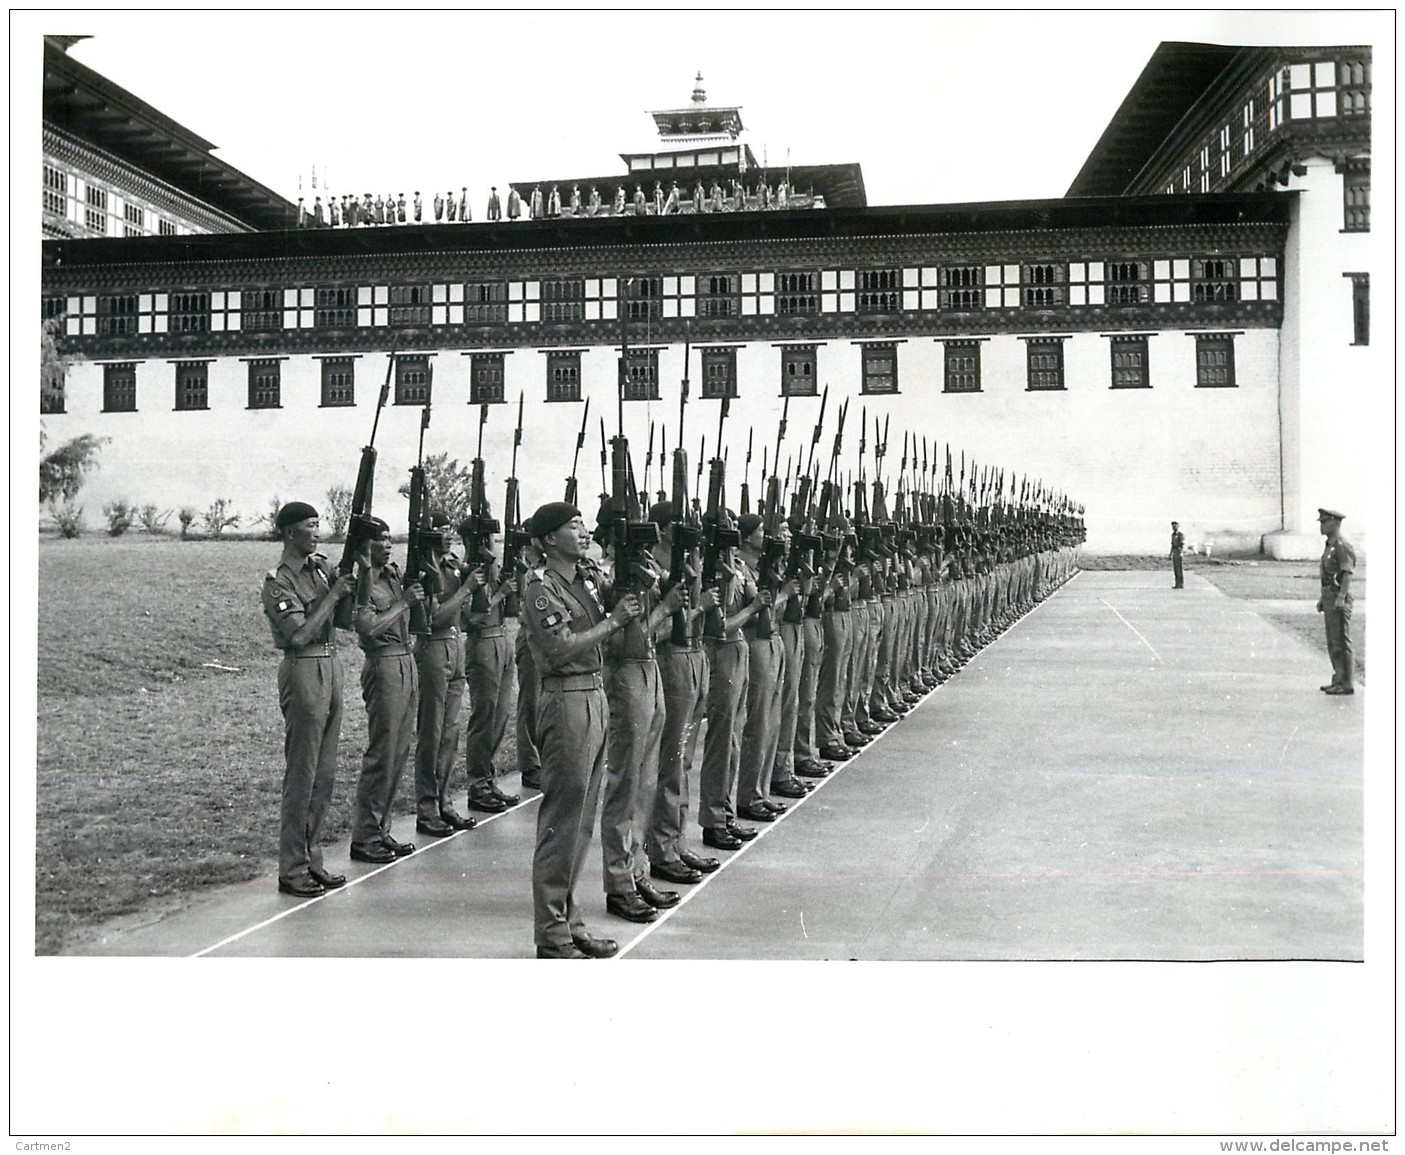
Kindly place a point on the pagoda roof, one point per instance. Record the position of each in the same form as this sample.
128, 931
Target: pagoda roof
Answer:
83, 103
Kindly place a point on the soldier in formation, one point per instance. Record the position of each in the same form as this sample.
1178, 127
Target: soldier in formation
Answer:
797, 640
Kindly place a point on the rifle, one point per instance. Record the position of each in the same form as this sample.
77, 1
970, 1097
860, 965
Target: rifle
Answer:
746, 475
685, 532
629, 532
718, 533
514, 536
423, 539
361, 528
480, 525
580, 440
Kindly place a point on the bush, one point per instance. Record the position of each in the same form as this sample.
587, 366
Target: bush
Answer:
339, 508
69, 518
218, 518
448, 485
186, 515
120, 515
271, 517
151, 521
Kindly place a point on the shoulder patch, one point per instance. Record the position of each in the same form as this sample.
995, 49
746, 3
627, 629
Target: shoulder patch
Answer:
551, 621
541, 603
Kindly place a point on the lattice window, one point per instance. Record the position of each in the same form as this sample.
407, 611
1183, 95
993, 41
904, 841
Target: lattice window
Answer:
1356, 202
719, 294
797, 293
1312, 90
167, 228
265, 384
486, 379
880, 367
409, 305
338, 381
55, 191
1248, 128
1127, 283
117, 316
1044, 285
1214, 280
95, 210
641, 382
1214, 361
719, 372
1360, 308
133, 221
262, 310
412, 380
119, 388
335, 308
188, 313
1354, 87
1045, 360
1224, 151
562, 300
643, 298
1130, 363
880, 291
961, 288
962, 367
1277, 99
563, 375
798, 371
484, 302
192, 385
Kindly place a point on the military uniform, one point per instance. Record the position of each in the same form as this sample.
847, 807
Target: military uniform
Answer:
1177, 544
529, 759
766, 658
310, 697
572, 722
390, 690
726, 712
1337, 564
489, 676
833, 691
440, 657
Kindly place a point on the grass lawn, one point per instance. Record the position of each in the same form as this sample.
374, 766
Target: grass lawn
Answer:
157, 776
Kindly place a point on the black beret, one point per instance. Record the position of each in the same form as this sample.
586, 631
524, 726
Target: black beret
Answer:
292, 513
439, 517
551, 517
378, 527
748, 524
661, 513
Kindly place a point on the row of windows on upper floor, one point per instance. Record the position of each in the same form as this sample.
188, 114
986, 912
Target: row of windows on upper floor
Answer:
1130, 368
104, 212
962, 288
1315, 91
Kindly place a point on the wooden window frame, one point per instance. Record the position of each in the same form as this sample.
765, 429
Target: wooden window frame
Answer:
119, 387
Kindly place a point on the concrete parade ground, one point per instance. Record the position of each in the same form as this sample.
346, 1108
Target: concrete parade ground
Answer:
1129, 772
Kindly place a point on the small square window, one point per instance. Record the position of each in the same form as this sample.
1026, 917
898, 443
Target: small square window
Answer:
880, 367
119, 388
1129, 363
1214, 361
798, 375
265, 384
719, 369
338, 381
962, 367
1045, 359
411, 380
192, 385
563, 376
486, 384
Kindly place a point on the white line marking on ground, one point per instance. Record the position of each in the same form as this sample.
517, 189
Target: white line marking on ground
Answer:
697, 888
802, 925
360, 878
1285, 746
1131, 627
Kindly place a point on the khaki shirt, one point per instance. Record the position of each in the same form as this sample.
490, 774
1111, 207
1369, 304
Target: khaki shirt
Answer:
554, 608
290, 595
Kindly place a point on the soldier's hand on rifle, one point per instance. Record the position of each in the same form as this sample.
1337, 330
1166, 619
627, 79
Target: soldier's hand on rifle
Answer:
626, 609
790, 589
676, 598
476, 578
414, 594
344, 585
764, 597
509, 584
710, 599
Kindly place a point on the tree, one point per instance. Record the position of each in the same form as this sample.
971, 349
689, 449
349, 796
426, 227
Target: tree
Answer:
53, 366
62, 472
448, 484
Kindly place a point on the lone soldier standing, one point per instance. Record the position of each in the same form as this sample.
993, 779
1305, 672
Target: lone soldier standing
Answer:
1334, 604
566, 622
1177, 544
390, 688
304, 601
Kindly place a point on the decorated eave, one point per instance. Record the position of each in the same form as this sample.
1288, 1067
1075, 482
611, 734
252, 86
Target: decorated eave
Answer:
700, 118
87, 106
887, 221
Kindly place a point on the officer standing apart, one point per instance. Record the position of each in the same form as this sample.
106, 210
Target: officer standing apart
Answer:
305, 601
1338, 564
1177, 544
390, 688
566, 623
